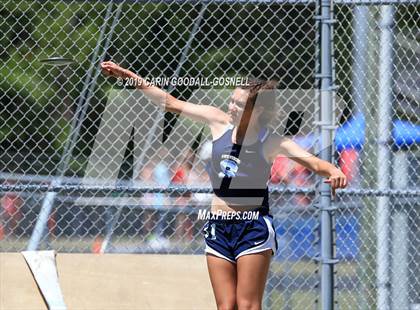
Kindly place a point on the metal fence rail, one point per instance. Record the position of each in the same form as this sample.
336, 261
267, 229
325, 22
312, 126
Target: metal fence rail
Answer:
90, 165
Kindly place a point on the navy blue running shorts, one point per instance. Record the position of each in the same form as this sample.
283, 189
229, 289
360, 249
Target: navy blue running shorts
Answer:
231, 239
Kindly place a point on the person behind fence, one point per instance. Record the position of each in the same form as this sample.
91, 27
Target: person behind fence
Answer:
183, 173
239, 246
10, 212
155, 173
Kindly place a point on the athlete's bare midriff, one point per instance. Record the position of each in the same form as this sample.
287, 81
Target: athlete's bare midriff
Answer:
219, 204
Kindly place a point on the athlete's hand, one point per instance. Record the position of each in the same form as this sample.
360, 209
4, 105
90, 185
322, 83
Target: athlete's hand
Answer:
337, 179
112, 69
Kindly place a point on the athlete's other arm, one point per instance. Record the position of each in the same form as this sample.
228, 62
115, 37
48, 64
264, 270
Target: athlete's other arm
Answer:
212, 116
286, 147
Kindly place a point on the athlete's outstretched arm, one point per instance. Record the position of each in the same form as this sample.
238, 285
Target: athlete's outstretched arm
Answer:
202, 113
290, 149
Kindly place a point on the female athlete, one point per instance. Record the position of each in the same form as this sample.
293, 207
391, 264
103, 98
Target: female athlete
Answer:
239, 249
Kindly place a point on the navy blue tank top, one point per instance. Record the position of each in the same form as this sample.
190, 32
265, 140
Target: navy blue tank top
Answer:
239, 173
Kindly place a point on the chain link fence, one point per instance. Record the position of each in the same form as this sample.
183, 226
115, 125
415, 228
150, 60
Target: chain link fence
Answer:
88, 164
377, 63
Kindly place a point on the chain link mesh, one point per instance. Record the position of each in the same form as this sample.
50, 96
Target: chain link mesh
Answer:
53, 118
359, 44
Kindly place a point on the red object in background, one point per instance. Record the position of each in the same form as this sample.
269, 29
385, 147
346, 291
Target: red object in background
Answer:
52, 223
301, 180
183, 222
97, 245
284, 170
280, 170
349, 163
11, 214
179, 177
11, 203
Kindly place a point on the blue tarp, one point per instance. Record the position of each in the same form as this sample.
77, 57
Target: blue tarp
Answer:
297, 237
352, 133
405, 133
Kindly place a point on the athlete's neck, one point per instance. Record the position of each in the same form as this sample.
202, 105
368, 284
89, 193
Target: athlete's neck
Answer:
245, 135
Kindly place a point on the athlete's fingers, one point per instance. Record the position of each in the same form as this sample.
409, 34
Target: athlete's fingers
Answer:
331, 182
111, 65
107, 63
114, 70
337, 183
108, 67
334, 184
105, 67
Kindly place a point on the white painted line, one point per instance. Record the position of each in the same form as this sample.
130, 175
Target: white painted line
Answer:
44, 270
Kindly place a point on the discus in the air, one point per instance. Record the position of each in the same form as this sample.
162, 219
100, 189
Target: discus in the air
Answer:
57, 61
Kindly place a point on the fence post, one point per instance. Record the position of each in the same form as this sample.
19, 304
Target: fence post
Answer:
384, 155
400, 235
327, 260
48, 202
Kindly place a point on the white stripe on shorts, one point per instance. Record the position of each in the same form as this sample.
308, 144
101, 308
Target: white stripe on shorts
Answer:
269, 244
214, 252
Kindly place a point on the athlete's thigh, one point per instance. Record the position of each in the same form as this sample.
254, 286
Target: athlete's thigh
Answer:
252, 272
223, 280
